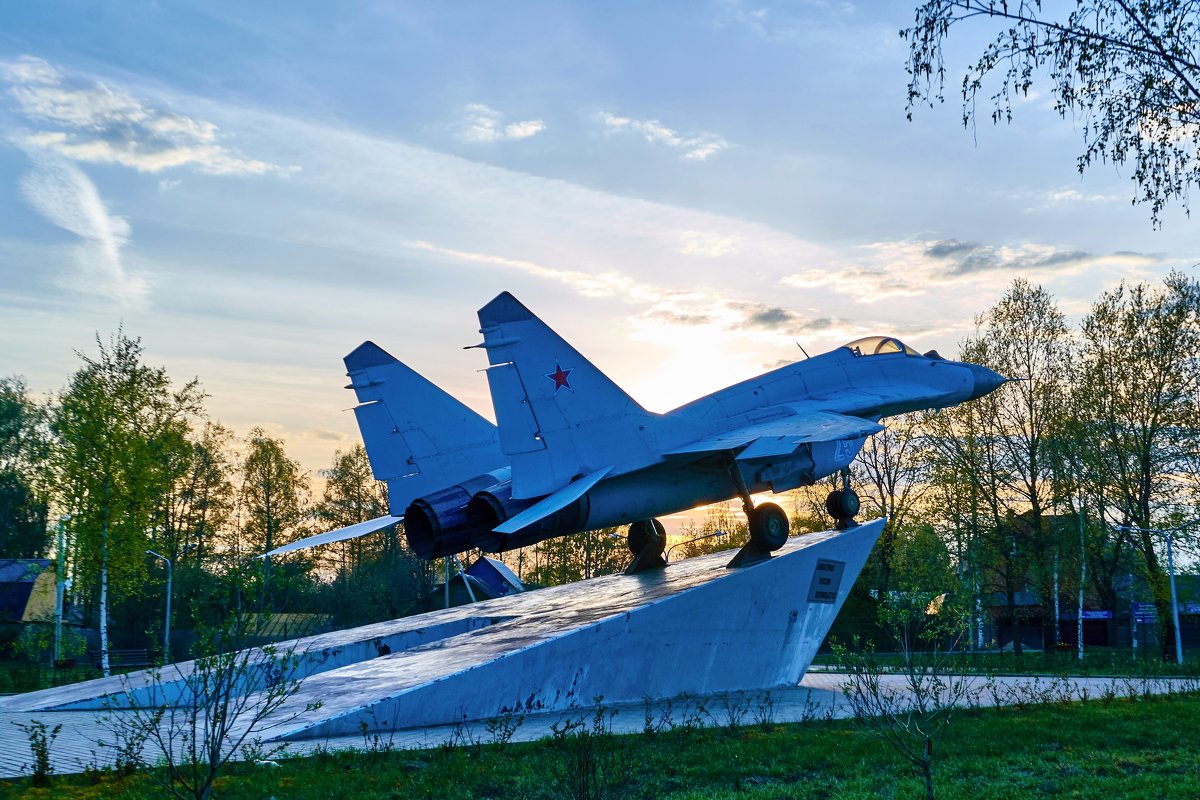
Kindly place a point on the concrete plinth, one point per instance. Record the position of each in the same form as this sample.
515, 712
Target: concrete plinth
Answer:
693, 628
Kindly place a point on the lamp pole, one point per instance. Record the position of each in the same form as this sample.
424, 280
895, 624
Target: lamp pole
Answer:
1169, 534
59, 589
167, 621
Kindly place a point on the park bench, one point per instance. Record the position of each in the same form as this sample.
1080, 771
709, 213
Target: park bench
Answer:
130, 658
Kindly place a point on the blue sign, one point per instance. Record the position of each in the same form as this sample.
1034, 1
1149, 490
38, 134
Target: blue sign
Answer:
1087, 614
1147, 612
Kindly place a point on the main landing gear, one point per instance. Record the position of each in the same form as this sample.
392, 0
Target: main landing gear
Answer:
768, 525
647, 539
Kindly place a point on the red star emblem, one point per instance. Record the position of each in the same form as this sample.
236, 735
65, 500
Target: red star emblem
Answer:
561, 377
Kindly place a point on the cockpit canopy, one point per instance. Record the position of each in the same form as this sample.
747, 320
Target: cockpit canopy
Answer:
879, 345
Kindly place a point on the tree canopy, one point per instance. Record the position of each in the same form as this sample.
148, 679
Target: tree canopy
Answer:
1127, 73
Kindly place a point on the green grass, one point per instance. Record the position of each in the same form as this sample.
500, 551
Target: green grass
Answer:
1135, 749
29, 676
1098, 661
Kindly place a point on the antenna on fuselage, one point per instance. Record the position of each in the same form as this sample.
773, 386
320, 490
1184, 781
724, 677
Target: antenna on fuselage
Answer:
802, 350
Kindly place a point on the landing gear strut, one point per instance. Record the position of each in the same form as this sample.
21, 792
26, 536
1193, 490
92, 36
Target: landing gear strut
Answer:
647, 539
768, 525
842, 504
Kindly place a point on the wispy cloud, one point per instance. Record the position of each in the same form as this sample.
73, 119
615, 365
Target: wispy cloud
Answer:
699, 306
485, 124
786, 23
695, 147
914, 268
89, 121
60, 192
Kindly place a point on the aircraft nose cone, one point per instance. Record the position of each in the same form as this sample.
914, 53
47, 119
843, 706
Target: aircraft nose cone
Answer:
985, 380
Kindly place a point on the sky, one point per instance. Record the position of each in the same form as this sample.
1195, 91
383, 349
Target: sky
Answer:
686, 191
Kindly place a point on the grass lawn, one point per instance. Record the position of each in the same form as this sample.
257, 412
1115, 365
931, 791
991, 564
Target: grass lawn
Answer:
1136, 749
1098, 661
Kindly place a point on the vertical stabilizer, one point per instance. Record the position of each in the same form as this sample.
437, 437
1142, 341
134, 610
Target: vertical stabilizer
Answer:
560, 417
418, 438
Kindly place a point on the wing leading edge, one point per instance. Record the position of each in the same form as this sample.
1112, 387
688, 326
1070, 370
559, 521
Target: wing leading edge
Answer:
780, 437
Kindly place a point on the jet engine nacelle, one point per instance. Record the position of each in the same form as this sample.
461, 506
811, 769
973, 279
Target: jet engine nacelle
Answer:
438, 524
494, 506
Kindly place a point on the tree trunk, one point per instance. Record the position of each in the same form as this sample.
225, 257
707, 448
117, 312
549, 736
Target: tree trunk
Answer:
104, 665
927, 768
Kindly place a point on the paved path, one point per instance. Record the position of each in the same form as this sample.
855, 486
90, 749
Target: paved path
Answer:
819, 696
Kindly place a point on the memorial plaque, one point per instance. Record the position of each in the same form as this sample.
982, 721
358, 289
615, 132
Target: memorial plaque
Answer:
827, 579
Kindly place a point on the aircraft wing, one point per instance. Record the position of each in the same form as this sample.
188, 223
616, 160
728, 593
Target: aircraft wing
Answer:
339, 535
781, 436
555, 502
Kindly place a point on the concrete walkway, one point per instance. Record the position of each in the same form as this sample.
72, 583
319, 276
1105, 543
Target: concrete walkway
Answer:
818, 697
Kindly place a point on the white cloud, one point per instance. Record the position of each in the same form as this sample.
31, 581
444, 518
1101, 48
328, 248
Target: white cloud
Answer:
89, 121
699, 243
698, 147
485, 124
916, 268
60, 192
1056, 196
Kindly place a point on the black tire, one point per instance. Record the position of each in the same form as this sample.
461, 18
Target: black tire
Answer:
768, 527
842, 504
646, 533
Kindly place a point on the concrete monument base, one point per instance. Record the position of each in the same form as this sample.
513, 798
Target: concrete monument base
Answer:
695, 627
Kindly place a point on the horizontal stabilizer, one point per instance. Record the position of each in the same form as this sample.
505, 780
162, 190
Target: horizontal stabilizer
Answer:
555, 502
781, 436
340, 535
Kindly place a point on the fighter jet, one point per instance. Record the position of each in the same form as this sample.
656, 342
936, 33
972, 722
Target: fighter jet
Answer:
571, 451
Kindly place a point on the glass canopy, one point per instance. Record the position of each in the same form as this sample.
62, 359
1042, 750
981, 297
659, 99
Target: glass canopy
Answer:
879, 345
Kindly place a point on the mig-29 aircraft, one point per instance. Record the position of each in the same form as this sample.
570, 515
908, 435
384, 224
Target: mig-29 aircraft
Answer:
573, 452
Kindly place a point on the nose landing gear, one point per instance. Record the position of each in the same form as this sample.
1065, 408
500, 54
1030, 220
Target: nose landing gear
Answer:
842, 504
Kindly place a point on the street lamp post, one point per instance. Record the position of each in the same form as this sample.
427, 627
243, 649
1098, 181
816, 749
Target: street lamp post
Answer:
59, 589
167, 621
1169, 534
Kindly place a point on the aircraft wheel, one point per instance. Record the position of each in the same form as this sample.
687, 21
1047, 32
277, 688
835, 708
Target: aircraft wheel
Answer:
647, 533
768, 527
842, 504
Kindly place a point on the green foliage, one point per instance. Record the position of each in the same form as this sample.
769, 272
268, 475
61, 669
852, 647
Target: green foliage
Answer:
22, 518
36, 641
24, 446
723, 529
41, 739
567, 559
273, 495
378, 587
590, 764
120, 431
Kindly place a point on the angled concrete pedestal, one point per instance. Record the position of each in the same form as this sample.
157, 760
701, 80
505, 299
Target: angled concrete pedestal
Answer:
695, 627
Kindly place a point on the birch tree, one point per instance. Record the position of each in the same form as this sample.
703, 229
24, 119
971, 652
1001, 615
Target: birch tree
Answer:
119, 427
